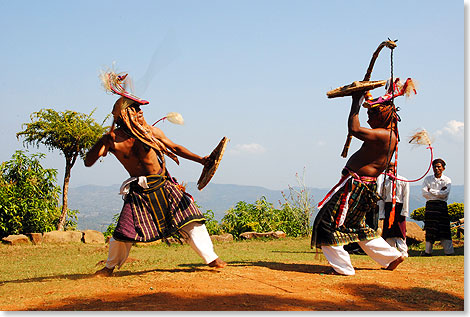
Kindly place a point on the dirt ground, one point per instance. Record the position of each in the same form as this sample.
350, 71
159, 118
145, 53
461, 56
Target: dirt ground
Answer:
251, 286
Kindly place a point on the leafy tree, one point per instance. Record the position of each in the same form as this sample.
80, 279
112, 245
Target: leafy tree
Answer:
71, 221
71, 132
28, 196
456, 211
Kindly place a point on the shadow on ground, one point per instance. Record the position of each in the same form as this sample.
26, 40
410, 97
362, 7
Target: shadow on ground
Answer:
191, 269
293, 267
368, 297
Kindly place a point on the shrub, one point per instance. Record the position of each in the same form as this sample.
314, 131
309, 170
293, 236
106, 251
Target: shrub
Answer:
418, 214
212, 225
28, 196
456, 211
110, 230
295, 222
297, 209
249, 217
261, 216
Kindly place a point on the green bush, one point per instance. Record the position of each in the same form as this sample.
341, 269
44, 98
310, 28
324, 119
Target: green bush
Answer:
263, 217
110, 230
297, 209
28, 196
418, 214
212, 225
248, 217
295, 222
456, 211
70, 221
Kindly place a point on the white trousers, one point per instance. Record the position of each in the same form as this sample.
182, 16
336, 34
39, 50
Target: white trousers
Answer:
194, 233
446, 244
378, 249
400, 244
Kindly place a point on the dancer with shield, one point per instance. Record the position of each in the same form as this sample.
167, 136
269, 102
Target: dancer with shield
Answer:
155, 205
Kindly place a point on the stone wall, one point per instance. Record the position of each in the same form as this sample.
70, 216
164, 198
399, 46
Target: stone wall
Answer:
86, 236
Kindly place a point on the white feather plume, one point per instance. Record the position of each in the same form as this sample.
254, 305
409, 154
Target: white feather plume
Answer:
421, 138
105, 80
175, 117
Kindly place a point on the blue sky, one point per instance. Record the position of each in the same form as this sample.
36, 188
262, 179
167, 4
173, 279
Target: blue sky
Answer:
254, 71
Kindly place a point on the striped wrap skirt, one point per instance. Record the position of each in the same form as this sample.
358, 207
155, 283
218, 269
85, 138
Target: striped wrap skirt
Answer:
437, 221
156, 212
362, 198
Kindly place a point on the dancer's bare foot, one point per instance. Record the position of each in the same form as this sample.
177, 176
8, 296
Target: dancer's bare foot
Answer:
104, 272
218, 263
395, 263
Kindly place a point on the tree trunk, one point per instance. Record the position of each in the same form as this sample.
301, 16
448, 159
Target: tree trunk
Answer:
68, 167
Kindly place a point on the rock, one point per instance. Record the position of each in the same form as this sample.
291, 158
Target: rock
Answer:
414, 233
255, 235
279, 234
36, 238
226, 237
62, 236
16, 239
248, 235
92, 236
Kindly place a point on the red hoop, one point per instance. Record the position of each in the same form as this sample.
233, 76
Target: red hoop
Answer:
415, 180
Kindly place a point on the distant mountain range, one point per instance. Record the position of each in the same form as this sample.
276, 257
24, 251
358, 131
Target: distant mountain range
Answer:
98, 204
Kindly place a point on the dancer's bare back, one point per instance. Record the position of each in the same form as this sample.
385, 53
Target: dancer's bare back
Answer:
375, 153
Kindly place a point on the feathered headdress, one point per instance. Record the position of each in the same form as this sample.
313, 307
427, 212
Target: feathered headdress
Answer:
117, 84
395, 90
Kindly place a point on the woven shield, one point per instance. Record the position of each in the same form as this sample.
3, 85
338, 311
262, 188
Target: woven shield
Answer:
215, 157
355, 87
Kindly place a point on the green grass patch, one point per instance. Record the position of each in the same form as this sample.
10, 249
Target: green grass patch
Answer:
32, 262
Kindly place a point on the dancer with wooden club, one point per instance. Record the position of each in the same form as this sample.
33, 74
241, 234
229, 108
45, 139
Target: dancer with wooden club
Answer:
341, 216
